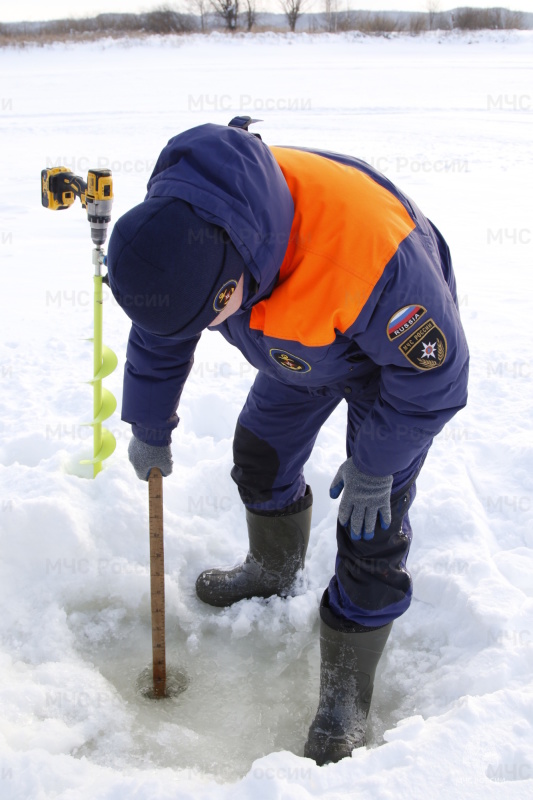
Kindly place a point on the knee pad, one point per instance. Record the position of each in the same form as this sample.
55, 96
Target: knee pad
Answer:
256, 465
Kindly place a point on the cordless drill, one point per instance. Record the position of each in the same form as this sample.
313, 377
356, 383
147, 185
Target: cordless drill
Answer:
60, 187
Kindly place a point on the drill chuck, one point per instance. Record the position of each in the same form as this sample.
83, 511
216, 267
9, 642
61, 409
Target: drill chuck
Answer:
99, 216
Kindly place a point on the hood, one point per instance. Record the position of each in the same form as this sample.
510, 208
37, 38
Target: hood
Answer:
232, 180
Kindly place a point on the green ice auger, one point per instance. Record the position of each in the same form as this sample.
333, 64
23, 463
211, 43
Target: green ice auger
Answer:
104, 363
59, 189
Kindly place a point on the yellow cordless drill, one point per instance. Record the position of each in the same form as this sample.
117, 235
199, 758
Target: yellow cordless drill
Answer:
60, 187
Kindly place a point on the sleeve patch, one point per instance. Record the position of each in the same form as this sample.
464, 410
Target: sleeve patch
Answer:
426, 347
403, 320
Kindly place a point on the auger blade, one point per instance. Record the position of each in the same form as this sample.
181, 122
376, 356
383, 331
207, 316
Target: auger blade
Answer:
108, 446
109, 363
109, 404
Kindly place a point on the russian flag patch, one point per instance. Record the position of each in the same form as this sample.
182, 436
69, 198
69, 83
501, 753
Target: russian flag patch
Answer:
403, 320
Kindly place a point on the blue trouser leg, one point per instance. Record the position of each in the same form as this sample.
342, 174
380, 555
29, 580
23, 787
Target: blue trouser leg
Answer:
371, 586
275, 434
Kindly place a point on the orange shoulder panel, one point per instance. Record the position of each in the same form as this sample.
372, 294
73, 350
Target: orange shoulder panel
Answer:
345, 231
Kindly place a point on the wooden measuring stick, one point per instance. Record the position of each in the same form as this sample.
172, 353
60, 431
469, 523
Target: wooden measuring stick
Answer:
157, 580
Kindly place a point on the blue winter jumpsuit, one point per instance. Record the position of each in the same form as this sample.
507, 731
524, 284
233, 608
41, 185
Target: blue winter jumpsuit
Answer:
349, 294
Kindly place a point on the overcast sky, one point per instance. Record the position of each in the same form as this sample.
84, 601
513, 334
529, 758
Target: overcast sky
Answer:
59, 9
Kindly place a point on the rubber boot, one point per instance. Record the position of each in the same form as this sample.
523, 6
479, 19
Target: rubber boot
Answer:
347, 670
278, 544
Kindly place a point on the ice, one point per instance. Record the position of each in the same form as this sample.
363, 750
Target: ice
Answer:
449, 119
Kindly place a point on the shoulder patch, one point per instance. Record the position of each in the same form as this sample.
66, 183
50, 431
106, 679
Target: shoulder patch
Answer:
403, 320
426, 347
290, 362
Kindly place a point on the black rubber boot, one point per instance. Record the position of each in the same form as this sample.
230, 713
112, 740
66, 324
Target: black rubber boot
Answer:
278, 544
347, 670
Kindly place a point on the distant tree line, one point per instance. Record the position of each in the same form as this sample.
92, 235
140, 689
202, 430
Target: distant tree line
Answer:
235, 15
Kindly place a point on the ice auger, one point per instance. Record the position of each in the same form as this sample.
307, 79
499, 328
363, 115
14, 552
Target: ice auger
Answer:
59, 189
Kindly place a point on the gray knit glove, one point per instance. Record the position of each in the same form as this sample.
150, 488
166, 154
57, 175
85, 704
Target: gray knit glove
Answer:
145, 456
363, 498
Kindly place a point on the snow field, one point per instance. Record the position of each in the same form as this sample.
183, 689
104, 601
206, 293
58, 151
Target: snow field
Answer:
447, 118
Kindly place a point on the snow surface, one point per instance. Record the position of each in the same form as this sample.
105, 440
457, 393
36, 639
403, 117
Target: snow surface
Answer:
449, 119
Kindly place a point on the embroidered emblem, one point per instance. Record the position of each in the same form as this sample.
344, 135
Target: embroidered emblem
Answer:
223, 295
403, 320
287, 360
426, 347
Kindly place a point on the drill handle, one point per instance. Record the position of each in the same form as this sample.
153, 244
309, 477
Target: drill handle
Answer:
60, 187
